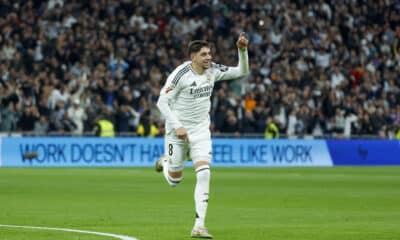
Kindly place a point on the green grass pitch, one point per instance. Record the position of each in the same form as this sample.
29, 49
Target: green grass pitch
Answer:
346, 203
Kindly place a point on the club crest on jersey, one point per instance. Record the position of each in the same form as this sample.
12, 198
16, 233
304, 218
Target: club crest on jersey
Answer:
208, 77
169, 89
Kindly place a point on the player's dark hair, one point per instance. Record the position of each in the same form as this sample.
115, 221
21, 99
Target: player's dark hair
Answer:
196, 45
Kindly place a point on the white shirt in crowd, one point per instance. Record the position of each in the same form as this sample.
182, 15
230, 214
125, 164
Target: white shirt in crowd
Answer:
77, 115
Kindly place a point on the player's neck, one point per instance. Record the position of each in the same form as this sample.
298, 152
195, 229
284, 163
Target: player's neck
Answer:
197, 69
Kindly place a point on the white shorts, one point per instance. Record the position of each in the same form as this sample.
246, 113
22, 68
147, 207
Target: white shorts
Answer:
198, 148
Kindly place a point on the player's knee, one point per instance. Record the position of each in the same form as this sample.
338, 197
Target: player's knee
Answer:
203, 173
175, 174
174, 177
173, 181
201, 163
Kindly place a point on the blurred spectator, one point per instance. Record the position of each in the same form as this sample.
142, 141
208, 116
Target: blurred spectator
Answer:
126, 119
29, 117
231, 124
77, 116
146, 126
41, 127
398, 134
250, 102
9, 118
67, 124
56, 117
104, 126
118, 67
248, 123
272, 129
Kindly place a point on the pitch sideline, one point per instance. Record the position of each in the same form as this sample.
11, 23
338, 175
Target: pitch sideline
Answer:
121, 237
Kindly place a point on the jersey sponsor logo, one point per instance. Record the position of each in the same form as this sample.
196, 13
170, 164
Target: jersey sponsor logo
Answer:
205, 91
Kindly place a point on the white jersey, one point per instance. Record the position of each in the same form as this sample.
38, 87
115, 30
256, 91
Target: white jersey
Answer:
185, 98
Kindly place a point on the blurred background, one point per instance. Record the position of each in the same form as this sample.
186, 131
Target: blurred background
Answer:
319, 68
327, 70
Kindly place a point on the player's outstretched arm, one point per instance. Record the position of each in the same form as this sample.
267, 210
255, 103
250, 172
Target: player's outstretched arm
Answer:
242, 69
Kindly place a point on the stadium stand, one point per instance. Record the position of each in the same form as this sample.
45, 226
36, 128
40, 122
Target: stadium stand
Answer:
322, 68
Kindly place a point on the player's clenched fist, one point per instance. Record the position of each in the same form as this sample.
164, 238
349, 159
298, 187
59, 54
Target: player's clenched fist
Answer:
242, 42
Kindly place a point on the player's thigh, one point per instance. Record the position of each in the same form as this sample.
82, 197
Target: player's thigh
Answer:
176, 153
200, 146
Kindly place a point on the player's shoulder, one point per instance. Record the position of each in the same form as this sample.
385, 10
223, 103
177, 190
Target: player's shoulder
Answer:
184, 67
180, 72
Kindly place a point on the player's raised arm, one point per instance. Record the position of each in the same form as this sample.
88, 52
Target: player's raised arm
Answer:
242, 68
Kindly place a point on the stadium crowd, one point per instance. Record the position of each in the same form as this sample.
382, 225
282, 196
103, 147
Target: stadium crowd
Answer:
318, 67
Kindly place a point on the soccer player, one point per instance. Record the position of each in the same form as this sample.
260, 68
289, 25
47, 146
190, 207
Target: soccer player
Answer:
185, 103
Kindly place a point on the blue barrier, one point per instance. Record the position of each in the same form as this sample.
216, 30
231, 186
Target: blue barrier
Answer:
364, 152
143, 152
121, 152
261, 152
80, 152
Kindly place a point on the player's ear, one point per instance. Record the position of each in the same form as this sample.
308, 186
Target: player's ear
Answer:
192, 55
